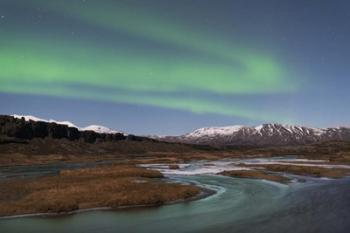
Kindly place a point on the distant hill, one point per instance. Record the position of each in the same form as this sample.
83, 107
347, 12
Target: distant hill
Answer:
29, 127
27, 141
31, 136
261, 136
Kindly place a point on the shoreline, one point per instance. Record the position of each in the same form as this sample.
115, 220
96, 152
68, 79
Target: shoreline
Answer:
137, 176
205, 192
102, 186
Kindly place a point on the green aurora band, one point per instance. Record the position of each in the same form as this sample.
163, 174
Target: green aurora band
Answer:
32, 64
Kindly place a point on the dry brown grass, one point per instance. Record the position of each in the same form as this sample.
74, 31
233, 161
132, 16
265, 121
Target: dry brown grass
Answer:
115, 170
106, 186
253, 174
307, 170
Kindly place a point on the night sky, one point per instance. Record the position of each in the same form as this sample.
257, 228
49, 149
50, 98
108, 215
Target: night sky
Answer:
168, 67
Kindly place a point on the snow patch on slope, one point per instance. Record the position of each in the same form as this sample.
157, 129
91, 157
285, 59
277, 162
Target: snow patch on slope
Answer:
100, 129
68, 123
29, 118
268, 129
213, 131
34, 118
95, 128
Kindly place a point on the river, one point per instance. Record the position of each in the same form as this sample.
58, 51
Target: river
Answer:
239, 205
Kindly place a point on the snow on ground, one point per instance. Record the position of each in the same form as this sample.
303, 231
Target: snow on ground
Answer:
211, 131
215, 167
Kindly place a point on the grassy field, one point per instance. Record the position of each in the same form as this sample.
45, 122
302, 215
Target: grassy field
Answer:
125, 184
305, 170
254, 174
104, 186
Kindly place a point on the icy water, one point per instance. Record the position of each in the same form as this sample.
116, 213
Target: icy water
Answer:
239, 205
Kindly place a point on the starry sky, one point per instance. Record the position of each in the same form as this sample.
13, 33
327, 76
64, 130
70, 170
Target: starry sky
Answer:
167, 67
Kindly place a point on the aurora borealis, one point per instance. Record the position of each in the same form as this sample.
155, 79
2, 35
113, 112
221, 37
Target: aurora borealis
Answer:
154, 54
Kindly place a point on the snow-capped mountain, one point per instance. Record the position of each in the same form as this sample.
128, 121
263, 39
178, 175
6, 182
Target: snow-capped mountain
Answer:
34, 118
100, 129
236, 135
28, 117
212, 131
95, 128
262, 135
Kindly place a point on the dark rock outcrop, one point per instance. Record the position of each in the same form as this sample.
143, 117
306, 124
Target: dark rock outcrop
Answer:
19, 128
40, 129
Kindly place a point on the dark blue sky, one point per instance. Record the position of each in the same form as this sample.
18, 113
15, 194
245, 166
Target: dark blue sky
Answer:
168, 67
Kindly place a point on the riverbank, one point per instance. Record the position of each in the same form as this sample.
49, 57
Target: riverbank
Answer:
277, 169
108, 186
240, 205
50, 151
254, 174
313, 170
116, 186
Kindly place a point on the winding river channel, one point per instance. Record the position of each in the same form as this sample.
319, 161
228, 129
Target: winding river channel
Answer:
239, 205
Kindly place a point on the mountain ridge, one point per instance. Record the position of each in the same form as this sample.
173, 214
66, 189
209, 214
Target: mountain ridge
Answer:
94, 127
272, 134
14, 128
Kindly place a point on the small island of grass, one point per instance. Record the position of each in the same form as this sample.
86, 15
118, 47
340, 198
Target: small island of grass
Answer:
112, 186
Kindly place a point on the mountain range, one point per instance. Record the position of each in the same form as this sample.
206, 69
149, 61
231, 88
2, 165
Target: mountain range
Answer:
236, 135
262, 135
